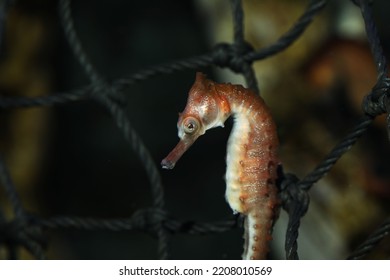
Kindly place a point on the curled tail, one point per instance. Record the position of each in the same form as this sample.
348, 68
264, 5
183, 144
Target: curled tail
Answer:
258, 226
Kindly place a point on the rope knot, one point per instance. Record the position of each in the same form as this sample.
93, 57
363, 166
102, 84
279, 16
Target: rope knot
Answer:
103, 90
292, 194
295, 201
21, 232
377, 102
232, 55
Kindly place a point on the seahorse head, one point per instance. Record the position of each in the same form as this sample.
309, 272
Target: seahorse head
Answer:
205, 109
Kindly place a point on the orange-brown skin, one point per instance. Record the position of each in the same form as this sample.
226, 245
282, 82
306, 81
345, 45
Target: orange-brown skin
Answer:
251, 154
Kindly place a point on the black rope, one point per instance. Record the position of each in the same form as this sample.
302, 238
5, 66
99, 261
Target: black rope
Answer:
235, 56
296, 202
314, 7
11, 191
238, 21
74, 41
373, 107
195, 62
334, 155
108, 96
372, 37
150, 166
372, 241
378, 101
240, 47
141, 220
18, 231
56, 99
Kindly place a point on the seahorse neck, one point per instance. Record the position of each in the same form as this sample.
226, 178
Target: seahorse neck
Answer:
243, 104
251, 135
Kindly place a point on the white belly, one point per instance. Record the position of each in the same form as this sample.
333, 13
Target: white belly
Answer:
235, 153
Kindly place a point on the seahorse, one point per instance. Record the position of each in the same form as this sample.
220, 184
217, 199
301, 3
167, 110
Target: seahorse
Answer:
251, 159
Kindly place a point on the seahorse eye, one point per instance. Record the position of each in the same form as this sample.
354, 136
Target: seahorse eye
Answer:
190, 125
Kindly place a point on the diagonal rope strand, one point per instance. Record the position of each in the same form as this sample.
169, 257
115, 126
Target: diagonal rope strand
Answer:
372, 241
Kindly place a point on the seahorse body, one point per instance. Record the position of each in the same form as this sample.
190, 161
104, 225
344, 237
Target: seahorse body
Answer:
251, 154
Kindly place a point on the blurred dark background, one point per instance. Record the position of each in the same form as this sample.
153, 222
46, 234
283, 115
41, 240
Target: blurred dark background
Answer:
71, 160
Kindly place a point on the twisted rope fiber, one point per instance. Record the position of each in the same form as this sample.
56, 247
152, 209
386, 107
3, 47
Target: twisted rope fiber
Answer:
313, 8
295, 197
4, 240
10, 190
74, 41
335, 154
377, 98
372, 37
372, 241
295, 200
196, 62
240, 47
238, 57
102, 94
143, 153
17, 231
141, 220
340, 149
56, 99
376, 103
230, 51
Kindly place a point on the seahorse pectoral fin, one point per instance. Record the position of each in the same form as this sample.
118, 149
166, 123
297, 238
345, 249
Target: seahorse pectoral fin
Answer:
181, 147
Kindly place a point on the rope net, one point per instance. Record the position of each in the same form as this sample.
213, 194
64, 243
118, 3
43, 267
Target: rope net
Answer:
30, 231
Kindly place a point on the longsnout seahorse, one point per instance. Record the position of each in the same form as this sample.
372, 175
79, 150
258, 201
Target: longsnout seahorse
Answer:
251, 154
